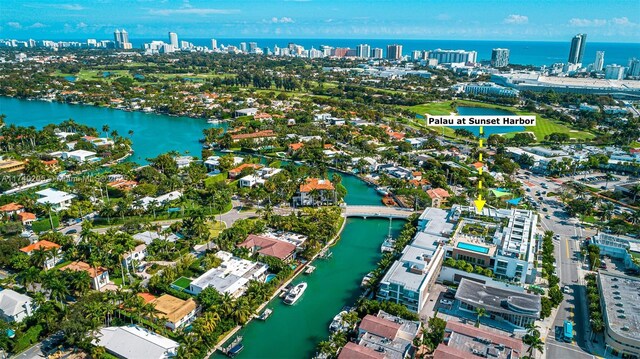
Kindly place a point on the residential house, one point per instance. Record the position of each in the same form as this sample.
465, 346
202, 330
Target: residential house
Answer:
315, 191
9, 210
438, 196
252, 111
138, 254
232, 276
177, 312
123, 185
54, 257
26, 218
98, 141
213, 163
270, 247
59, 200
355, 351
15, 307
81, 156
133, 342
389, 335
149, 236
295, 147
99, 275
257, 136
11, 165
235, 172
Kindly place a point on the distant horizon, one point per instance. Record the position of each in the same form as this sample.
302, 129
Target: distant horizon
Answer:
165, 38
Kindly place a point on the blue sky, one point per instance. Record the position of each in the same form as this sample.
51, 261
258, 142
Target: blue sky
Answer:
603, 20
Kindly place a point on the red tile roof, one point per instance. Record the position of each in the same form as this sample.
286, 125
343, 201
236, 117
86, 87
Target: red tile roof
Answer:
438, 193
355, 351
296, 146
477, 164
11, 207
259, 134
445, 352
237, 170
317, 184
147, 297
43, 244
84, 267
269, 246
379, 326
26, 216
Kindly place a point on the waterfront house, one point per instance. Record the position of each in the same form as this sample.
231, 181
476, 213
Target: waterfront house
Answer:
134, 342
232, 276
99, 275
149, 236
15, 307
9, 210
59, 200
252, 111
11, 165
55, 250
213, 163
175, 311
98, 141
355, 351
80, 156
123, 185
315, 191
387, 334
257, 136
270, 247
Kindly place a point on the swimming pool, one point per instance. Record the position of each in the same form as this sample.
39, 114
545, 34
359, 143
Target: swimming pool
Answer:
473, 247
269, 277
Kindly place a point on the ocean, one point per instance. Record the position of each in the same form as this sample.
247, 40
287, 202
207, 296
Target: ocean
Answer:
535, 53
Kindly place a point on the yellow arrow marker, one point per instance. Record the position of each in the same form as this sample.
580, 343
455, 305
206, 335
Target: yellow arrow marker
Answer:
481, 142
479, 184
480, 156
479, 203
481, 131
480, 170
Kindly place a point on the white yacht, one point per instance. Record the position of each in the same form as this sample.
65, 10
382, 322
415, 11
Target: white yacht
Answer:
295, 293
338, 325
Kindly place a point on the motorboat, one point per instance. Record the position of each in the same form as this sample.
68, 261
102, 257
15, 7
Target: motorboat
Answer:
295, 293
337, 324
367, 278
267, 312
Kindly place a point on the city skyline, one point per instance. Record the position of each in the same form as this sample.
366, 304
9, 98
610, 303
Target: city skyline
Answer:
605, 21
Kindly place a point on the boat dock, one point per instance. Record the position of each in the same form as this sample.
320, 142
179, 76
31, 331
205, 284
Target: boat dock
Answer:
267, 312
309, 269
233, 348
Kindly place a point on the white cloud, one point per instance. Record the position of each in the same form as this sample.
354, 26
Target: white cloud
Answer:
15, 25
516, 19
37, 25
443, 17
81, 25
282, 20
193, 11
71, 7
623, 21
587, 22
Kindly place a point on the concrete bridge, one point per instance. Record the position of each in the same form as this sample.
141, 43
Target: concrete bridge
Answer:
377, 212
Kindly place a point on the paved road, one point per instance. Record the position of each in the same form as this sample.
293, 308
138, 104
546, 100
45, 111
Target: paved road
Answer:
377, 211
567, 260
33, 352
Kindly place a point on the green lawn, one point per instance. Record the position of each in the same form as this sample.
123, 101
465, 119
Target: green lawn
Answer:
543, 126
182, 282
215, 227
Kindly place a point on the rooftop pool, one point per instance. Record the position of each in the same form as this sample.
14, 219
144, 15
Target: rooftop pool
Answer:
473, 247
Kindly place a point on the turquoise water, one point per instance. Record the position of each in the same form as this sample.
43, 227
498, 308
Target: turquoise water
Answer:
294, 331
269, 278
488, 130
152, 134
473, 247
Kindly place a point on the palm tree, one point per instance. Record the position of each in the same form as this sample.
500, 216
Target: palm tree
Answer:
607, 211
480, 312
105, 129
242, 311
535, 344
40, 256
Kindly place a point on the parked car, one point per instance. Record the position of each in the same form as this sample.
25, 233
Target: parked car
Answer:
445, 302
566, 289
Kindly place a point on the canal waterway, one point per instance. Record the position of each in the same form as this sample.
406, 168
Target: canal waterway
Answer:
291, 331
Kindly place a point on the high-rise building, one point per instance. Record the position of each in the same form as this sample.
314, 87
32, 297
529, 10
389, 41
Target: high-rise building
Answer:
117, 38
394, 52
614, 72
363, 51
599, 63
576, 53
214, 44
341, 51
125, 36
416, 55
253, 46
243, 46
173, 40
326, 50
376, 53
499, 57
453, 56
634, 68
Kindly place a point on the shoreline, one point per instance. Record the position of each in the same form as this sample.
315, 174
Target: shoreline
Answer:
296, 273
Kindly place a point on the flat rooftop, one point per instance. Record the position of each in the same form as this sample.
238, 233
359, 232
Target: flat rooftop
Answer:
620, 295
498, 300
467, 341
410, 270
